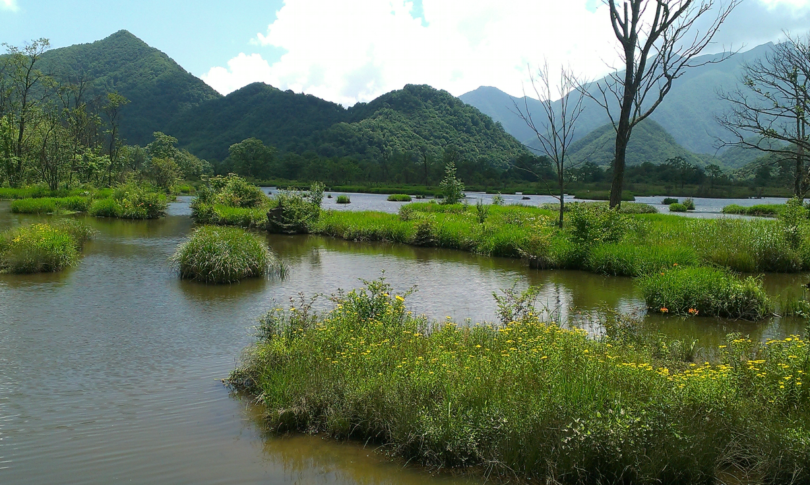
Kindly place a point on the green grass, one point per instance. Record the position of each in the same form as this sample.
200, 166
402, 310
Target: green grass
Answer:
761, 210
705, 292
343, 199
131, 202
399, 198
224, 255
677, 207
623, 259
602, 195
529, 401
42, 248
50, 205
670, 200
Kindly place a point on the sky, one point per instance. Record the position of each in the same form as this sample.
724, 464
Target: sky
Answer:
350, 51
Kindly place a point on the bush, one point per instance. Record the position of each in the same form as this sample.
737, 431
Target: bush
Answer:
452, 188
677, 208
705, 291
669, 200
295, 211
689, 204
596, 223
105, 208
399, 198
234, 191
223, 255
528, 401
131, 202
42, 248
498, 199
343, 199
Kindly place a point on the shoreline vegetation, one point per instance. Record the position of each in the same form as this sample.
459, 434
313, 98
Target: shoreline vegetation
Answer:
595, 239
42, 248
529, 400
130, 201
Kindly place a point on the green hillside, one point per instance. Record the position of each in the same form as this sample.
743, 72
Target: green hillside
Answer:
403, 121
282, 119
158, 88
649, 143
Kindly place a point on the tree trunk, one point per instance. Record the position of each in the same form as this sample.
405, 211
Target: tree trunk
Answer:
618, 168
562, 199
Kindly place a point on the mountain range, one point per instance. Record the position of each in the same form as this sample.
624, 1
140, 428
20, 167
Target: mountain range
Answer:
482, 124
688, 112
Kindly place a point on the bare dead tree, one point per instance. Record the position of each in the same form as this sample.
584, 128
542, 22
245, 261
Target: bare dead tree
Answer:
768, 109
659, 40
557, 129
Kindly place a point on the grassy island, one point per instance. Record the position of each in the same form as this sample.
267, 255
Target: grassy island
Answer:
42, 248
529, 400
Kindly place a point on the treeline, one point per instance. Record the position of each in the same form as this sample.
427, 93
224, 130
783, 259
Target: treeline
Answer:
54, 132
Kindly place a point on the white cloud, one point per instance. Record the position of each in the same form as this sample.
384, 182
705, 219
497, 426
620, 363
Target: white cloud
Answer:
9, 5
354, 50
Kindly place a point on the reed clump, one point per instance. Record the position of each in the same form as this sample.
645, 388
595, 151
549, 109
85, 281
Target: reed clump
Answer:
399, 198
224, 255
529, 400
42, 248
343, 199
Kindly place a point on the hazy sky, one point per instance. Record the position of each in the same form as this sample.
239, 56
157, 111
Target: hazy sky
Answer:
354, 50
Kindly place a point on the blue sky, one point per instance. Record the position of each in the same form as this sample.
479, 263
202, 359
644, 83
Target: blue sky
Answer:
354, 50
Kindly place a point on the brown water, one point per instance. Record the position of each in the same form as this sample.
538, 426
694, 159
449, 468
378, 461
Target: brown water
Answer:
110, 371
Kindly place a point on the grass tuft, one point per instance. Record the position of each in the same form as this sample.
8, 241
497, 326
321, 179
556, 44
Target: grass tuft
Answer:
399, 198
42, 248
223, 255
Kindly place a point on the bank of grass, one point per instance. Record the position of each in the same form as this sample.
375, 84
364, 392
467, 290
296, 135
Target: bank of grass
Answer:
38, 192
224, 255
760, 210
131, 202
51, 205
707, 291
527, 400
42, 248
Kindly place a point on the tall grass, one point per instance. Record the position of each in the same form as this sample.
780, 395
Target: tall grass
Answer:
42, 248
131, 202
527, 400
399, 198
50, 205
223, 255
705, 291
761, 210
343, 199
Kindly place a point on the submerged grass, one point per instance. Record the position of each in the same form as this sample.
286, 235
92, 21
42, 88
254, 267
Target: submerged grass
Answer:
42, 248
223, 255
528, 400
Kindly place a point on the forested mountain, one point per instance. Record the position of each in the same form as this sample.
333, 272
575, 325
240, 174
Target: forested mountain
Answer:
415, 119
649, 143
687, 113
158, 89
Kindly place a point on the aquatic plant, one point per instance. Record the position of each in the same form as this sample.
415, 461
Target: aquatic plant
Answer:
50, 205
689, 203
41, 248
669, 200
343, 199
677, 207
527, 399
399, 198
223, 255
131, 202
705, 291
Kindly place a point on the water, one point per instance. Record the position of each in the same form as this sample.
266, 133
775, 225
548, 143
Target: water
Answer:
110, 371
704, 208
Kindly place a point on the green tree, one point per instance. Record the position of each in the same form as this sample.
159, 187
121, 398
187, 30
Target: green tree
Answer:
452, 188
251, 158
165, 172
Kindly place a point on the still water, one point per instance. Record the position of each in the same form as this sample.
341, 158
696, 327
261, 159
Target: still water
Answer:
111, 371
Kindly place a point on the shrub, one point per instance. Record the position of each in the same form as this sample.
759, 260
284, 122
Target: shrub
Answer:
399, 198
234, 191
131, 202
498, 199
452, 188
481, 211
677, 208
596, 223
689, 204
669, 200
343, 199
295, 211
42, 248
705, 291
223, 255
